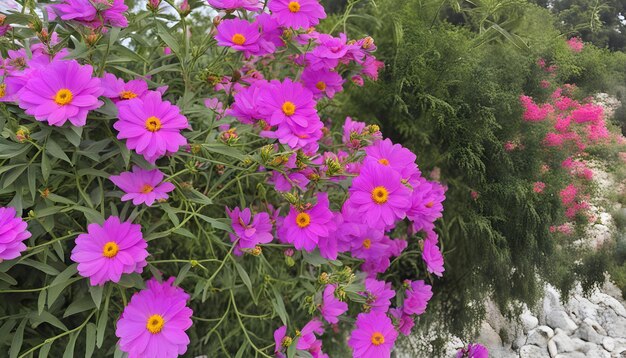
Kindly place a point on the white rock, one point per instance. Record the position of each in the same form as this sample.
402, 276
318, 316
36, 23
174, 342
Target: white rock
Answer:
488, 336
529, 321
551, 300
530, 351
552, 348
608, 343
596, 326
614, 324
563, 343
560, 319
571, 355
540, 336
582, 346
587, 333
603, 299
598, 352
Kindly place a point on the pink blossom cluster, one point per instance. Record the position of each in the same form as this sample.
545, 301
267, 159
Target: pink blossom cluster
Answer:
575, 44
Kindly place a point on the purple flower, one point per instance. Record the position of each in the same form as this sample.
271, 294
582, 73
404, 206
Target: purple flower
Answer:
153, 324
92, 14
297, 13
379, 295
395, 156
142, 186
473, 350
432, 256
109, 250
304, 228
249, 229
246, 105
417, 297
250, 5
151, 126
240, 35
118, 90
280, 342
322, 82
378, 195
308, 334
62, 91
368, 243
13, 232
374, 336
426, 204
271, 31
404, 321
331, 307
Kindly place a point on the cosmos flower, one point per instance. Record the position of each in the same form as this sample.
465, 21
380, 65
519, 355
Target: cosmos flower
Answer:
426, 204
246, 104
92, 14
378, 295
322, 82
13, 232
473, 350
395, 156
297, 13
288, 102
250, 5
331, 307
417, 296
432, 255
304, 228
404, 322
374, 336
379, 196
151, 126
118, 90
109, 250
62, 91
240, 35
249, 229
143, 186
154, 322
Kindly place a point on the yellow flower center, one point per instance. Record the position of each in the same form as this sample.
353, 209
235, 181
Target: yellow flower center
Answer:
128, 95
367, 243
155, 323
63, 97
153, 124
383, 161
430, 204
238, 39
377, 339
303, 220
294, 6
110, 249
380, 195
146, 188
3, 89
289, 108
321, 85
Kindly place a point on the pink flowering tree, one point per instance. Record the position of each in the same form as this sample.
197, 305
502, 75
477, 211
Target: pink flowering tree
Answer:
173, 182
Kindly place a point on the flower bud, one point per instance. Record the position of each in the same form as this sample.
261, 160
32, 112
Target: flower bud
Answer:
185, 9
153, 5
324, 278
22, 133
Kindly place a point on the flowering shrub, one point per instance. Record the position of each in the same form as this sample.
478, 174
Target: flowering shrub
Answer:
170, 184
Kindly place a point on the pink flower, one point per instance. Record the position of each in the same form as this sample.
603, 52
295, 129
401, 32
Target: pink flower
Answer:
374, 336
371, 66
395, 156
240, 35
509, 146
151, 126
153, 324
404, 322
250, 5
575, 44
544, 84
379, 196
538, 187
331, 307
568, 195
322, 82
588, 113
532, 112
304, 228
92, 14
62, 91
329, 52
432, 256
417, 296
249, 229
118, 90
109, 250
246, 107
297, 13
473, 350
13, 233
352, 129
142, 186
378, 295
427, 204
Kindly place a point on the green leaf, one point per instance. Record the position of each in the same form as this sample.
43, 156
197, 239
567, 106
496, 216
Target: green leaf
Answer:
10, 150
182, 274
171, 214
102, 321
164, 34
90, 339
47, 317
40, 266
279, 306
51, 210
224, 150
245, 278
61, 282
92, 216
96, 295
81, 304
44, 350
55, 150
12, 175
41, 301
46, 167
18, 338
59, 199
69, 350
314, 258
8, 279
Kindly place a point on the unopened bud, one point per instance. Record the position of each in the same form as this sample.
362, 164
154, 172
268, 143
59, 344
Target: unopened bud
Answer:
324, 278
